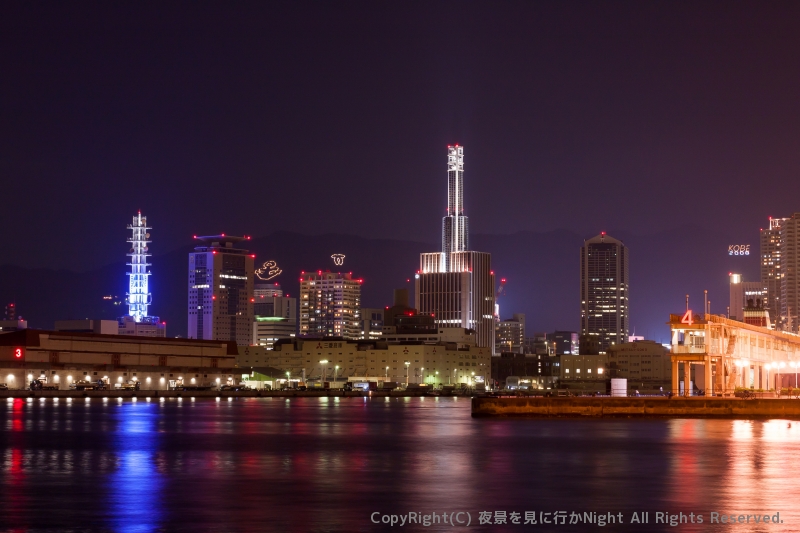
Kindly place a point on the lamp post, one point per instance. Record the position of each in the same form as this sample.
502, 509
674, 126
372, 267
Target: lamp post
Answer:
288, 374
782, 366
437, 378
335, 371
407, 363
386, 375
472, 380
767, 368
422, 371
794, 365
325, 368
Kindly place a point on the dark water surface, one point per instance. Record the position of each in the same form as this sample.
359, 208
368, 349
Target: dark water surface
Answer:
327, 464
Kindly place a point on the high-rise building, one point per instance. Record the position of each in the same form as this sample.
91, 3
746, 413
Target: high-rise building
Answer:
221, 290
510, 335
275, 315
790, 273
604, 290
330, 305
770, 240
138, 321
564, 342
456, 286
742, 292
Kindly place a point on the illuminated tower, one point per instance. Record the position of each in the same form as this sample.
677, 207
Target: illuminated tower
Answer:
138, 322
456, 286
455, 228
771, 268
139, 296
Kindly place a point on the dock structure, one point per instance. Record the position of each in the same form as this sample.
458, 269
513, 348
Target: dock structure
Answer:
717, 356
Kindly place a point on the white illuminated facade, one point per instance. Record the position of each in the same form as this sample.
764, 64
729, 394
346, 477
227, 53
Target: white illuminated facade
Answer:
456, 286
138, 322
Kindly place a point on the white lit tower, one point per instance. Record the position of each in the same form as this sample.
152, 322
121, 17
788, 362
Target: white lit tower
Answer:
456, 285
138, 322
455, 229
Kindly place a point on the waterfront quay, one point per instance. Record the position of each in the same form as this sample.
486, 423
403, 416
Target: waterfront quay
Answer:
321, 393
599, 407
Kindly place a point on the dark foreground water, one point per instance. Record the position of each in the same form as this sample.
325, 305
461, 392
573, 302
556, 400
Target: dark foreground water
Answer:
328, 464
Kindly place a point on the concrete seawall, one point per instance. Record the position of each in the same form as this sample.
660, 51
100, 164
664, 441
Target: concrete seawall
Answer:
636, 407
332, 393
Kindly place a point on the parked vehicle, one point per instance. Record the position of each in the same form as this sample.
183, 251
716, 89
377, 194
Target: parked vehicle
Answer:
88, 385
3, 386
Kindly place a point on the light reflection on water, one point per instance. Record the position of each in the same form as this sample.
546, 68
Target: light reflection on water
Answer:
320, 464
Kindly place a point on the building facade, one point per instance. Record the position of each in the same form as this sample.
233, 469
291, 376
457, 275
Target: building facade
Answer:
221, 290
275, 315
328, 358
330, 305
372, 323
770, 241
510, 335
645, 364
790, 273
604, 290
742, 292
62, 358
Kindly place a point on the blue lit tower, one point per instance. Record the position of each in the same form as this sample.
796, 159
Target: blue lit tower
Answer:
138, 295
138, 322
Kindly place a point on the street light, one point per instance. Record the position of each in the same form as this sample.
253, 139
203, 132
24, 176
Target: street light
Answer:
422, 371
794, 365
325, 370
437, 378
386, 375
782, 366
335, 371
288, 374
767, 367
407, 363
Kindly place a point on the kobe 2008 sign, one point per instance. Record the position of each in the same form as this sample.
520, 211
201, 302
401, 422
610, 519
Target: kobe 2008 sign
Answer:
738, 249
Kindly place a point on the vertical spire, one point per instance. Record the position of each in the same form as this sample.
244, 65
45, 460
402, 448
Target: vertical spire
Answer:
455, 230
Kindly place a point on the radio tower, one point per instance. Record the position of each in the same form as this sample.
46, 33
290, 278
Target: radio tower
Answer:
138, 295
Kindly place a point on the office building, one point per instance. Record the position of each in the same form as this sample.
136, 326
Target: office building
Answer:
790, 273
12, 325
645, 364
138, 320
330, 305
221, 290
742, 292
104, 327
456, 286
275, 315
510, 335
604, 290
400, 307
770, 241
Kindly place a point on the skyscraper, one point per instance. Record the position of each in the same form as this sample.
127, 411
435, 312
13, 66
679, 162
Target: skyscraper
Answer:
770, 240
456, 286
221, 290
790, 273
741, 292
330, 305
138, 321
604, 290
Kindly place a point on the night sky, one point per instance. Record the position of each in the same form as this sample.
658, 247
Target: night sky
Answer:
334, 117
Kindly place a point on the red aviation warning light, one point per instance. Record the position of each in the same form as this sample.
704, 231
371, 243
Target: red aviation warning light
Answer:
19, 353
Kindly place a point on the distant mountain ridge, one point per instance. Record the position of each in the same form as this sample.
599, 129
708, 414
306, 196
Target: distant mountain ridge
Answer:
542, 271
